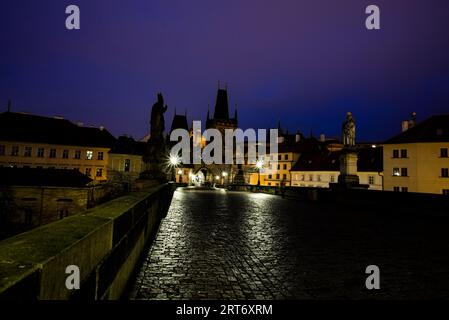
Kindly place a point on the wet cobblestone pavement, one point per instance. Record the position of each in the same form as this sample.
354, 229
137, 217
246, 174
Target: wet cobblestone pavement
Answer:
231, 245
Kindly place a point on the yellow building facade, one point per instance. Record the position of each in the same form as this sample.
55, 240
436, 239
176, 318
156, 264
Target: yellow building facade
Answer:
417, 159
93, 162
30, 141
417, 167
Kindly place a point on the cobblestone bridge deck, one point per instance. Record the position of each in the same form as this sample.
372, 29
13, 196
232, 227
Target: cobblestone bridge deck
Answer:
231, 245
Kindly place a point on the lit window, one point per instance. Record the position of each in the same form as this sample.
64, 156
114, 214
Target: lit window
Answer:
445, 172
100, 155
443, 153
65, 154
27, 152
40, 152
77, 154
127, 165
99, 172
89, 155
15, 151
52, 153
396, 172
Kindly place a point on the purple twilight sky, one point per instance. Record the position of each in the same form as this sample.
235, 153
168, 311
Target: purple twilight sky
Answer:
304, 63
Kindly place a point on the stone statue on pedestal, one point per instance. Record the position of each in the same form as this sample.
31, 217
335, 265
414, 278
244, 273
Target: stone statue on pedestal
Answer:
156, 153
348, 131
348, 177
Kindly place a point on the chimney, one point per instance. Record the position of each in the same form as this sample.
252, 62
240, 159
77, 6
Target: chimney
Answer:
404, 125
412, 121
297, 137
322, 137
408, 124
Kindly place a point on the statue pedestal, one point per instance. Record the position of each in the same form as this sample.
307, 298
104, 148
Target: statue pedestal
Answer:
348, 177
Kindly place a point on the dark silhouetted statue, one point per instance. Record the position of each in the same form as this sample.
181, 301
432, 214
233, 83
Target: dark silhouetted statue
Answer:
155, 156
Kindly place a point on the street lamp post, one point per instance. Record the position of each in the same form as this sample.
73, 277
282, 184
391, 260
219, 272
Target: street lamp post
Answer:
174, 162
259, 165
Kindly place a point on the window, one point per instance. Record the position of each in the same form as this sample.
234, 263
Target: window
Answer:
395, 153
277, 176
445, 172
443, 153
404, 189
303, 177
127, 165
99, 172
77, 154
371, 179
404, 172
40, 152
270, 176
100, 155
396, 172
285, 166
332, 178
286, 157
52, 153
27, 152
284, 176
65, 154
279, 157
318, 177
310, 177
269, 183
15, 151
403, 153
279, 167
89, 155
446, 192
2, 150
396, 189
88, 171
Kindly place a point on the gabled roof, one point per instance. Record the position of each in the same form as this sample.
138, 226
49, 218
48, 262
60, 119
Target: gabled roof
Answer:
433, 129
127, 145
43, 177
369, 160
23, 127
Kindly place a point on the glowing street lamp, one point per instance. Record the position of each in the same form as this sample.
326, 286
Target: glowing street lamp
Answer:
174, 160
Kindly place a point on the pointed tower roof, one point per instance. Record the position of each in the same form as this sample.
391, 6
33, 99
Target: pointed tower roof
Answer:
179, 122
221, 105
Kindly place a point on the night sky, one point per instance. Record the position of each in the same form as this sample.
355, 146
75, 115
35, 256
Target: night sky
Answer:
302, 62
